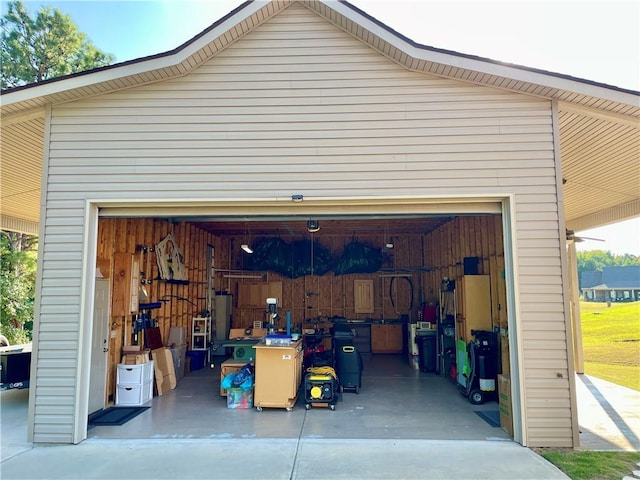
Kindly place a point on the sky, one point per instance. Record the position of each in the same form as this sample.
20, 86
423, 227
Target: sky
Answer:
593, 40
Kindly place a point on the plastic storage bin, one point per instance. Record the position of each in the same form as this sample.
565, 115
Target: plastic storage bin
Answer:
239, 398
196, 359
134, 394
134, 374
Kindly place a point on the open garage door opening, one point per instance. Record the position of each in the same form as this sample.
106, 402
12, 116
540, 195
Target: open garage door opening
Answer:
406, 293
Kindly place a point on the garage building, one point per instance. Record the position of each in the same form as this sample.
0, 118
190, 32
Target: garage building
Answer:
289, 112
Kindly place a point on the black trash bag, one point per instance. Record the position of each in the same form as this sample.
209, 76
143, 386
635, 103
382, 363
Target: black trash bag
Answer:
359, 257
243, 375
270, 255
304, 264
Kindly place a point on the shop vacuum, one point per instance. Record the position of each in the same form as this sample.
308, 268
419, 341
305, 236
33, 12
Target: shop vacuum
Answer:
347, 359
483, 362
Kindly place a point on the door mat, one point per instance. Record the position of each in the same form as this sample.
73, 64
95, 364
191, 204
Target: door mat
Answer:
115, 415
492, 417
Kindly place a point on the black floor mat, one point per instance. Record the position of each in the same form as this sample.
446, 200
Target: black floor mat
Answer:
115, 415
492, 417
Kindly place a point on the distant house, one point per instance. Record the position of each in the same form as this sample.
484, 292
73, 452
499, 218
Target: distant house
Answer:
613, 284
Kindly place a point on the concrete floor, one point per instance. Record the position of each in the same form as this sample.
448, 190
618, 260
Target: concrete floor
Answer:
395, 402
403, 424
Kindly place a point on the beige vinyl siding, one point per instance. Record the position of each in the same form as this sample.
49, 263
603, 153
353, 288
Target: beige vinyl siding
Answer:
298, 106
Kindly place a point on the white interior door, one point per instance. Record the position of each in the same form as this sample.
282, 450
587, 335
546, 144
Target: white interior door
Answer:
99, 347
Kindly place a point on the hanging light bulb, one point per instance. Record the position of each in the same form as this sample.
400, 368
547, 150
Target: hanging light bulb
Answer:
246, 246
313, 226
389, 242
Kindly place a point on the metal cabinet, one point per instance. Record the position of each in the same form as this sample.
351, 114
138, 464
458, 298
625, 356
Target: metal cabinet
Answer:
223, 305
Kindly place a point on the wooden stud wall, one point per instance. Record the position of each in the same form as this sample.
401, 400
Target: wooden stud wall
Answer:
471, 236
313, 296
118, 241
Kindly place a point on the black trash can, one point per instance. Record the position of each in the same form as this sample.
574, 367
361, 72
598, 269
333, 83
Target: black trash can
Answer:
427, 351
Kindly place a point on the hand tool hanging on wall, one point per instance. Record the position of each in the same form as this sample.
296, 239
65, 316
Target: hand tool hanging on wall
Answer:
145, 273
410, 282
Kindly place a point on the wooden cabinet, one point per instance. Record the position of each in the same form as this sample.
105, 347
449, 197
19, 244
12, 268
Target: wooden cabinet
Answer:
363, 296
386, 338
254, 295
278, 375
473, 304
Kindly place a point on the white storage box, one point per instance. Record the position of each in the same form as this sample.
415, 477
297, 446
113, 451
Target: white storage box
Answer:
135, 374
134, 394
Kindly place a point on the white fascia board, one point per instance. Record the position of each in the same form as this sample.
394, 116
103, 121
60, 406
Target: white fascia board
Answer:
487, 67
134, 67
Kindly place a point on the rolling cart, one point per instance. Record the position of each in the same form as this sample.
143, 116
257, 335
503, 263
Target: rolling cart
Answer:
483, 367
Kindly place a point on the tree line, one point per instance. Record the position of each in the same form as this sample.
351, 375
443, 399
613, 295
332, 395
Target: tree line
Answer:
596, 260
34, 47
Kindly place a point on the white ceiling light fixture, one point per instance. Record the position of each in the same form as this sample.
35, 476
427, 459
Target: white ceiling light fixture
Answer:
389, 242
246, 245
313, 226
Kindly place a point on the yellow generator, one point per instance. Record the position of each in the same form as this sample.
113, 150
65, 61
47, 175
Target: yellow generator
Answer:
321, 387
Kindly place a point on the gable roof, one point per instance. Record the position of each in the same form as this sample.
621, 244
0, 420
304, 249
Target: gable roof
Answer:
612, 277
590, 278
619, 277
597, 122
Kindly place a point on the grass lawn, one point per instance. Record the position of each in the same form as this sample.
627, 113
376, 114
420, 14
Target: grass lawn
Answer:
611, 342
593, 465
611, 346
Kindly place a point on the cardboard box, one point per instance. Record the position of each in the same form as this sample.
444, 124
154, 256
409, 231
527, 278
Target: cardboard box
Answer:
504, 403
136, 358
227, 367
237, 333
164, 372
131, 348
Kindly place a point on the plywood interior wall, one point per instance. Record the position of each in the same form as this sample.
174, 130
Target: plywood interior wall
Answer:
312, 296
119, 240
471, 236
422, 260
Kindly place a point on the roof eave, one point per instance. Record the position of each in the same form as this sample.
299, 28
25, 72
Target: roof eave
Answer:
341, 13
